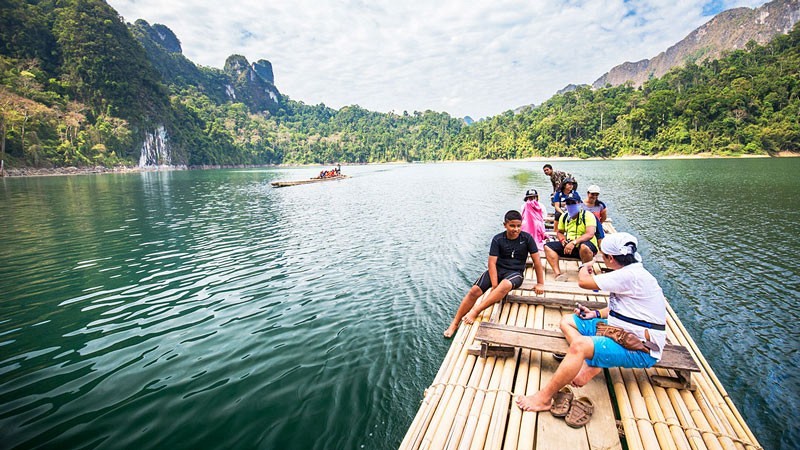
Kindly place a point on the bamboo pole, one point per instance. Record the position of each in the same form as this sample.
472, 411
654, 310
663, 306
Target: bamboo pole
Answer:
682, 413
515, 414
445, 429
443, 417
416, 433
485, 413
717, 419
745, 430
732, 425
474, 411
460, 421
497, 426
632, 437
646, 431
700, 419
527, 432
445, 424
654, 411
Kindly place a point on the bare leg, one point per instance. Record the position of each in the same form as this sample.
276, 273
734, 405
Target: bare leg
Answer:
586, 254
497, 294
585, 375
571, 333
552, 259
466, 304
581, 348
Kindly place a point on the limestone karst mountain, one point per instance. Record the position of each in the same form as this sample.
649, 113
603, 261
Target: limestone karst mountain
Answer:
728, 30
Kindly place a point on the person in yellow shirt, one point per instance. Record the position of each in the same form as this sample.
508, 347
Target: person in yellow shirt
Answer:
575, 237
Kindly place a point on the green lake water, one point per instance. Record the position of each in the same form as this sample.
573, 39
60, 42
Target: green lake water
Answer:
205, 309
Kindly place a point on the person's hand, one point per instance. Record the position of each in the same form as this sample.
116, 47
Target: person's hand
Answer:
584, 312
569, 247
539, 289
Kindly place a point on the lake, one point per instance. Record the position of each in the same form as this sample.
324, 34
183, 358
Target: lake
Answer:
206, 309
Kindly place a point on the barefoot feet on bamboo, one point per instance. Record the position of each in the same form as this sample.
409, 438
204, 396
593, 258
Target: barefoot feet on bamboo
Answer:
535, 402
470, 317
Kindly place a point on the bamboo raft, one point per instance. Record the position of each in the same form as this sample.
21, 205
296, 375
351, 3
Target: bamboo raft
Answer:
470, 403
278, 184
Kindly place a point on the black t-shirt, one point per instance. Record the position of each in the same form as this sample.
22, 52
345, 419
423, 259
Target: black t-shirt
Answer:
511, 255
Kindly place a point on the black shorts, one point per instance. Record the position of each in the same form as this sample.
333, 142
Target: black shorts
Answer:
576, 252
485, 282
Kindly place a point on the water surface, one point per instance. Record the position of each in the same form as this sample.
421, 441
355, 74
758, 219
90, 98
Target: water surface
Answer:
206, 309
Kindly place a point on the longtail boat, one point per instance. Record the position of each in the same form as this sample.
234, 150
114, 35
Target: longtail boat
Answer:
677, 404
278, 184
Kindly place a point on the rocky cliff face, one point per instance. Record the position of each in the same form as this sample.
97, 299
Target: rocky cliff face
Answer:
253, 85
728, 30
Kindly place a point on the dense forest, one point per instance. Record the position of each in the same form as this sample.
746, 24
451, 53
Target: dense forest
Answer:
79, 87
746, 102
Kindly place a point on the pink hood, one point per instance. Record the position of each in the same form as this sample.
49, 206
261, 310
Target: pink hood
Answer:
533, 221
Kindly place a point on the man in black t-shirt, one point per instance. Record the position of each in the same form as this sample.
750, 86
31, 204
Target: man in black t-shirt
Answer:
507, 255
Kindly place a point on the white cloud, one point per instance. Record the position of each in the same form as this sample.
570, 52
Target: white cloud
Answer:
477, 58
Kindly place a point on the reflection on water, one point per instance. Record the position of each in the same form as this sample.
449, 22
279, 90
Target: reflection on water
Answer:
207, 309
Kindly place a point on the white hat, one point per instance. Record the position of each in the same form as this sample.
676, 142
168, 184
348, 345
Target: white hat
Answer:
593, 189
620, 244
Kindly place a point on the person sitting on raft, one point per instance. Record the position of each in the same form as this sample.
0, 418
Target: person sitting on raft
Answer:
636, 306
598, 208
575, 232
508, 253
567, 191
533, 214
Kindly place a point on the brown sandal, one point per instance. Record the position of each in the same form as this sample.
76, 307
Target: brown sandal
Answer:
580, 412
561, 402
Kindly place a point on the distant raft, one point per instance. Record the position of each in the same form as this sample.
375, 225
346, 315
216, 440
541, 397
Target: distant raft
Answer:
278, 184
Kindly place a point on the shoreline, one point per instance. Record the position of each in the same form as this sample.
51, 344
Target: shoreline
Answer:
71, 170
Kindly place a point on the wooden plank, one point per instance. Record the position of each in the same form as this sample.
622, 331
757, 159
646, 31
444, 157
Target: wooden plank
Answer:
552, 433
554, 302
673, 357
601, 431
560, 287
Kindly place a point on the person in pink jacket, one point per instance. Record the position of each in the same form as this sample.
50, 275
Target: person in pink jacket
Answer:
533, 214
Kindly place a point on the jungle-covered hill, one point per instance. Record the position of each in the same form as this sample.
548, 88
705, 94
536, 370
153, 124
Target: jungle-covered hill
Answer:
79, 87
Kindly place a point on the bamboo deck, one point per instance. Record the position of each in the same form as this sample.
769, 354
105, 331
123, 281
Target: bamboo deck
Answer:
470, 404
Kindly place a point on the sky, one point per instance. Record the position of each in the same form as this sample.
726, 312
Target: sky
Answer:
474, 58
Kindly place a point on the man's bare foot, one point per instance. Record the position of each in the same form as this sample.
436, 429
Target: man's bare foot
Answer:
585, 375
448, 333
470, 317
534, 402
560, 277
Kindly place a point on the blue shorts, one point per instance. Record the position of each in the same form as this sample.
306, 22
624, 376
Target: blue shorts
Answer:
608, 353
485, 282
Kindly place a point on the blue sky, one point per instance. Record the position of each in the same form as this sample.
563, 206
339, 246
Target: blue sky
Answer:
476, 57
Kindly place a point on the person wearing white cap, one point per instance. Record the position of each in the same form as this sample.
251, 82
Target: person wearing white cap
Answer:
598, 208
630, 332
